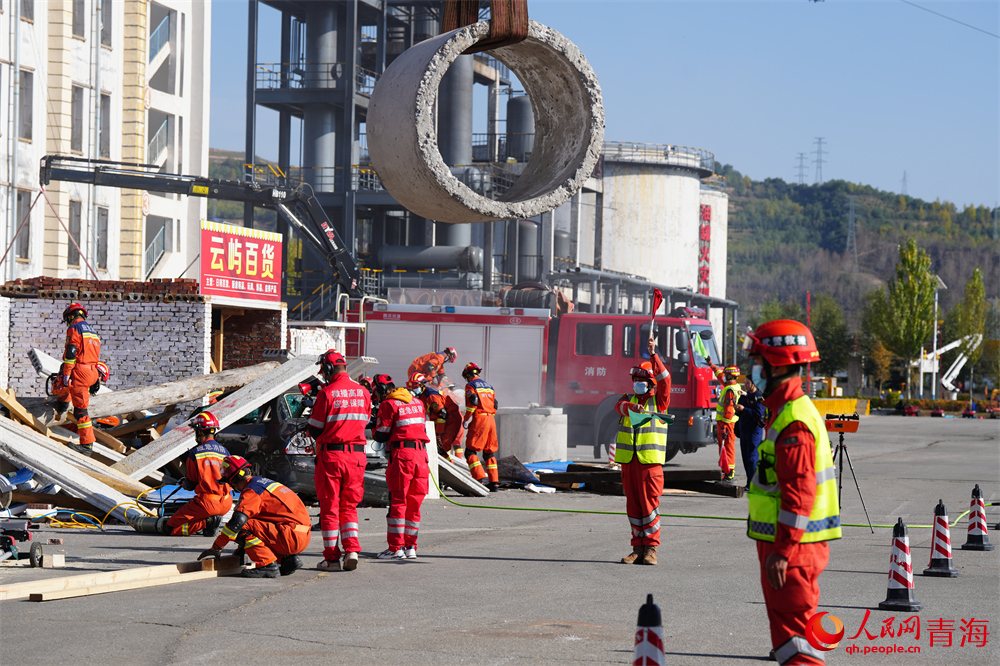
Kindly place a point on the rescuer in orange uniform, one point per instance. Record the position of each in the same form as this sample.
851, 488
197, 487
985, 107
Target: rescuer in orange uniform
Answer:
432, 365
82, 352
203, 475
793, 495
269, 522
338, 420
443, 409
481, 427
641, 451
401, 423
726, 418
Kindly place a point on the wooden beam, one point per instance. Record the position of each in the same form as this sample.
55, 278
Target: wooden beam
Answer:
142, 424
229, 410
132, 585
60, 501
159, 428
23, 590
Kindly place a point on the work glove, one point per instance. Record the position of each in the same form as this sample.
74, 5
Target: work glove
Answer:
466, 422
64, 381
188, 484
211, 552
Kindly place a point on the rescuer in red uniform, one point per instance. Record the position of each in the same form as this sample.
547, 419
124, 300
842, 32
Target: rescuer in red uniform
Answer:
641, 451
726, 418
269, 522
432, 365
338, 420
444, 411
793, 495
401, 422
481, 428
79, 373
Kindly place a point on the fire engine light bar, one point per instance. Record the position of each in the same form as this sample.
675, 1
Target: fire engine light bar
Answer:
450, 309
519, 311
381, 307
435, 308
504, 310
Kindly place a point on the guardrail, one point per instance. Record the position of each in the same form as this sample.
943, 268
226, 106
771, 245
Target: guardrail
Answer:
310, 75
159, 38
155, 251
658, 153
159, 142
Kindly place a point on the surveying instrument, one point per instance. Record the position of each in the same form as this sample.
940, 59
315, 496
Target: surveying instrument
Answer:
841, 423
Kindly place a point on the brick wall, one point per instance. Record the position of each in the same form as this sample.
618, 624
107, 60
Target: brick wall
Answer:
144, 343
247, 336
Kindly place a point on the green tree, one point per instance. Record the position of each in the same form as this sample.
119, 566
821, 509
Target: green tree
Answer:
882, 362
971, 315
902, 314
832, 339
774, 309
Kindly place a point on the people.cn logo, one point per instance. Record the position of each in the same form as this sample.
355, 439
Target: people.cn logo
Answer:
818, 637
515, 320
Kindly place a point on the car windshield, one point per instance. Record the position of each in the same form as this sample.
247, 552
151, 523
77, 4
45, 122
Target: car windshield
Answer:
709, 346
295, 405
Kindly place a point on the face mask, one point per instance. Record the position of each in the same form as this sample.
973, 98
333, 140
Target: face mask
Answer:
417, 391
757, 377
640, 388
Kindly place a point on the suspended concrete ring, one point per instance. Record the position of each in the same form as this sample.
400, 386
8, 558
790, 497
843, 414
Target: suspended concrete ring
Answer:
569, 127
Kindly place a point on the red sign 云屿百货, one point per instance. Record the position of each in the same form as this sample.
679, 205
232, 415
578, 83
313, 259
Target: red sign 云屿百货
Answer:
240, 263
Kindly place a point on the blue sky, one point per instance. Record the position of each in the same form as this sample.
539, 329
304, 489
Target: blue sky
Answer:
890, 86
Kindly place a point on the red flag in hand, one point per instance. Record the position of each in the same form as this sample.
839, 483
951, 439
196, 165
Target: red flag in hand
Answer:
657, 300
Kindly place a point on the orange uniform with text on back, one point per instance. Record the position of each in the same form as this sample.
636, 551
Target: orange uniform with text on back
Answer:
81, 337
203, 467
481, 438
278, 522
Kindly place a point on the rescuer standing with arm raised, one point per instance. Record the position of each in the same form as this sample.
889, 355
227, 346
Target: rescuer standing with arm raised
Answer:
641, 451
726, 418
793, 495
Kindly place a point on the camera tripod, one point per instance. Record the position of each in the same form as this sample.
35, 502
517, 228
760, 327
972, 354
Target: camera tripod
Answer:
842, 423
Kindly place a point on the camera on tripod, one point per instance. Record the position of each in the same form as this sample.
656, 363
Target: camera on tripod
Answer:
843, 422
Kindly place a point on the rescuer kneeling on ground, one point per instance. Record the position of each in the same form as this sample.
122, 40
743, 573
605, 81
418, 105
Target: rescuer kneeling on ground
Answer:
641, 450
203, 475
269, 522
793, 495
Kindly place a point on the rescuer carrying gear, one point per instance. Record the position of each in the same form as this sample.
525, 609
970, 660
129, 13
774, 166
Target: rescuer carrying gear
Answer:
78, 373
269, 522
480, 423
401, 423
726, 418
793, 495
432, 365
338, 420
641, 450
443, 410
203, 475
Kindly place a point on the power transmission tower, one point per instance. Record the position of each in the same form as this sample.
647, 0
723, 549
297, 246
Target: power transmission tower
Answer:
851, 251
904, 184
802, 169
819, 160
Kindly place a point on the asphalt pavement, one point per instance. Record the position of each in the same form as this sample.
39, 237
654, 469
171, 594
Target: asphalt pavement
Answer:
509, 586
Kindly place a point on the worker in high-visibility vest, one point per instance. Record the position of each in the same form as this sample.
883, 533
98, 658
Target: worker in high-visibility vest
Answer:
793, 495
641, 450
726, 418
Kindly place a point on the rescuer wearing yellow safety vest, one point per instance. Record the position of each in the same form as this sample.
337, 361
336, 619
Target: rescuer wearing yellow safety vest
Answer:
641, 450
793, 495
726, 418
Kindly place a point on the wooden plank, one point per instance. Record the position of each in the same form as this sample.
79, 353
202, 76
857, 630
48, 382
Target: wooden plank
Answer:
18, 411
159, 427
131, 585
141, 424
229, 410
60, 501
182, 390
587, 474
708, 488
22, 590
109, 458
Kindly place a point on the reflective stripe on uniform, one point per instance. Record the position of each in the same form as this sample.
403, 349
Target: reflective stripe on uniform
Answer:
796, 645
229, 532
330, 418
254, 541
795, 520
330, 538
395, 525
349, 530
411, 421
412, 527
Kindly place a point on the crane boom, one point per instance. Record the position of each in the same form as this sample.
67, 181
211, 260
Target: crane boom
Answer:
298, 206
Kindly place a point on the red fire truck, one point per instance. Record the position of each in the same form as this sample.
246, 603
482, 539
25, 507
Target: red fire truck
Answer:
577, 361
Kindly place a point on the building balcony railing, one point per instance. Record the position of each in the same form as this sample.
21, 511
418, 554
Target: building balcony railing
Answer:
159, 38
157, 148
311, 76
155, 251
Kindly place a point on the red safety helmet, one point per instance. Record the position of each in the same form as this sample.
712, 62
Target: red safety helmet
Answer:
70, 313
329, 359
205, 422
416, 380
471, 370
233, 467
451, 354
644, 372
732, 370
383, 384
366, 382
103, 371
782, 342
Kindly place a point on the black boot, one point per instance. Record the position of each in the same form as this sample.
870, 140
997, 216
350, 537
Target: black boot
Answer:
212, 526
82, 450
290, 564
493, 486
270, 571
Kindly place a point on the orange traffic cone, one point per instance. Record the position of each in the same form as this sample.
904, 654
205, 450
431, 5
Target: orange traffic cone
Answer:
900, 596
649, 636
978, 537
940, 564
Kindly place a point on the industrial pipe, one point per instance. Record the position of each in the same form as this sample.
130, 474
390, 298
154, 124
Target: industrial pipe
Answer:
440, 257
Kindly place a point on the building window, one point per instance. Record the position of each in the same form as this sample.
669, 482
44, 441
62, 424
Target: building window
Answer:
106, 23
105, 139
75, 213
76, 121
79, 11
102, 237
28, 10
24, 237
25, 93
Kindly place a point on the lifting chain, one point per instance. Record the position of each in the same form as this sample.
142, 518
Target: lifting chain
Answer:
508, 21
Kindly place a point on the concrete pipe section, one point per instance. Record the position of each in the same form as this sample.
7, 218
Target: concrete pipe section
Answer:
569, 127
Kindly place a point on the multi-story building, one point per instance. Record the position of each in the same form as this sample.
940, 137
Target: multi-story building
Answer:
121, 80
